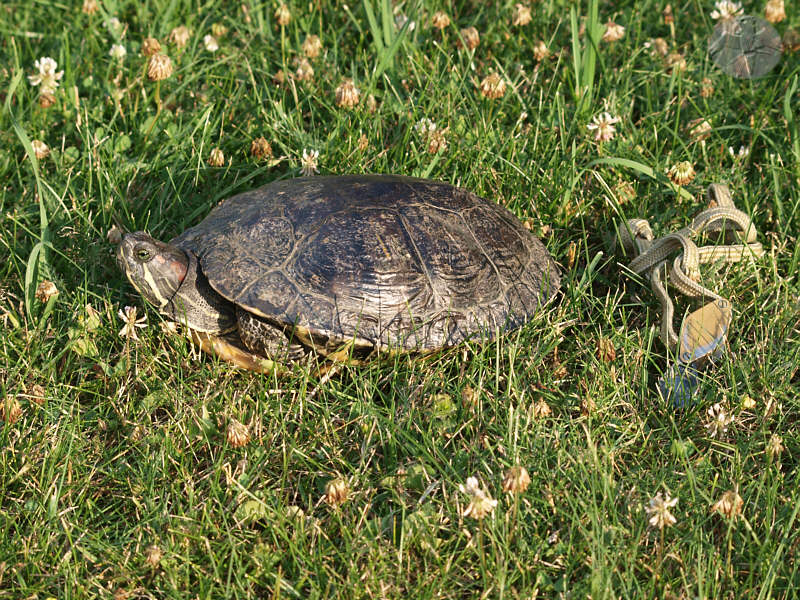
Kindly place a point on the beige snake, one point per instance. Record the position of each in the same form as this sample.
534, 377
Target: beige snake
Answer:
721, 217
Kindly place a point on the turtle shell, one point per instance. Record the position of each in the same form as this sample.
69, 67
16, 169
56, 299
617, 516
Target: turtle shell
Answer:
390, 262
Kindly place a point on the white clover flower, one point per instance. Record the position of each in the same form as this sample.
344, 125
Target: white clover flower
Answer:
720, 420
336, 491
347, 94
424, 125
312, 46
159, 67
681, 173
775, 447
210, 43
658, 511
471, 487
128, 317
493, 86
118, 52
775, 11
540, 51
521, 16
309, 162
238, 434
603, 126
725, 9
304, 72
614, 32
481, 504
180, 36
46, 77
283, 15
729, 505
47, 289
699, 129
440, 20
516, 480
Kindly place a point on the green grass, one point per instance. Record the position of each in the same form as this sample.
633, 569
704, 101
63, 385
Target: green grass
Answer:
128, 448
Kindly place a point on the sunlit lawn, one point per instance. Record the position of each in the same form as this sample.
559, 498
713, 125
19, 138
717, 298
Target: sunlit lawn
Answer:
119, 476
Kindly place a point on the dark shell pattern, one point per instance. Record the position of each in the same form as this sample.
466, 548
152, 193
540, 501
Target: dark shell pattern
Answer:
392, 262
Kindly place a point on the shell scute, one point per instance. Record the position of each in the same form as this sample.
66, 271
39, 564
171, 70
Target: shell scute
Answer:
500, 240
360, 258
270, 296
459, 271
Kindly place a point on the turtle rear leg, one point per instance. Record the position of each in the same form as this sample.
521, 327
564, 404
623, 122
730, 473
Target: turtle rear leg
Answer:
264, 338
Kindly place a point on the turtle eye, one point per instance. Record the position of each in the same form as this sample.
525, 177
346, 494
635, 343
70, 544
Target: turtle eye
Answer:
142, 254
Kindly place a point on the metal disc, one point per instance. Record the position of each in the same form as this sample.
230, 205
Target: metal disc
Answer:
746, 47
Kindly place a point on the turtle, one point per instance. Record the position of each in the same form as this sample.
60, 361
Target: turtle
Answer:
344, 268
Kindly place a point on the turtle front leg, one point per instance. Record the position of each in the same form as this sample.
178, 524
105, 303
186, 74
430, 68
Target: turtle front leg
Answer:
229, 348
263, 338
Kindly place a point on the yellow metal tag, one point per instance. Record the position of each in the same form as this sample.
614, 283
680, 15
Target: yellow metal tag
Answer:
703, 332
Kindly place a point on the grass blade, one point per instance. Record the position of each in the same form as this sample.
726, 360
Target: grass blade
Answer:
790, 115
37, 260
377, 36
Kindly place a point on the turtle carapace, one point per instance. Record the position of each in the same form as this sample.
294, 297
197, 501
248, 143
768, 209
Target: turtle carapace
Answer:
361, 264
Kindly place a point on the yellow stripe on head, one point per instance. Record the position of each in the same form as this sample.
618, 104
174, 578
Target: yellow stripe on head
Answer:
155, 292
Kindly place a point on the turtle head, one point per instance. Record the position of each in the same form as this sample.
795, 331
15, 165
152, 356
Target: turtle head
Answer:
154, 268
172, 280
